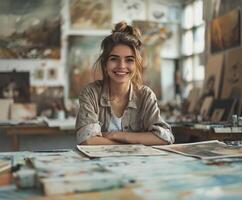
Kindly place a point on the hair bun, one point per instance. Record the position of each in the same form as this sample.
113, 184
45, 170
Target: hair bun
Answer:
125, 28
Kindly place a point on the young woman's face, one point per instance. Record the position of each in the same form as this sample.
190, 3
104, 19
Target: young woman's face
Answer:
121, 64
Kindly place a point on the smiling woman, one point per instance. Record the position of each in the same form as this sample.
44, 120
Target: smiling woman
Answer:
119, 109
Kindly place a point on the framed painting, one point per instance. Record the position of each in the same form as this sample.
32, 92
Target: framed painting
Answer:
82, 54
85, 14
232, 80
225, 31
15, 85
31, 29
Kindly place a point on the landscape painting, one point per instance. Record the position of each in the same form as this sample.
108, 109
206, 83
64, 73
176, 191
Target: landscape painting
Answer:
31, 29
85, 14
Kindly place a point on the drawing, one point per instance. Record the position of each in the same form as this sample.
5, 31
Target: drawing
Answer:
87, 14
205, 150
225, 31
32, 29
117, 150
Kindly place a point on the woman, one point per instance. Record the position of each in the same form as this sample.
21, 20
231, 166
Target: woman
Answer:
119, 109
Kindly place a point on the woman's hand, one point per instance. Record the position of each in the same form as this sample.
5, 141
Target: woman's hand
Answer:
116, 136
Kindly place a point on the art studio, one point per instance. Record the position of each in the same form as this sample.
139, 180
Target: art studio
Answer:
120, 99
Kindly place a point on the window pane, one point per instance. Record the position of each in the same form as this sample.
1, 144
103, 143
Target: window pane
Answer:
198, 69
187, 43
188, 17
199, 39
198, 13
187, 69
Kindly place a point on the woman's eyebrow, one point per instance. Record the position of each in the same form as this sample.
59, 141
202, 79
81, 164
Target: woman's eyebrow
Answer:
113, 55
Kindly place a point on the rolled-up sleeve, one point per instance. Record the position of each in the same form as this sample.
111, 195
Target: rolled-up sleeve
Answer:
87, 123
153, 121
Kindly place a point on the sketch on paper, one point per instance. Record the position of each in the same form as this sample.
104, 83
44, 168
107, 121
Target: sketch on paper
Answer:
118, 150
232, 80
31, 29
85, 14
83, 52
205, 150
225, 31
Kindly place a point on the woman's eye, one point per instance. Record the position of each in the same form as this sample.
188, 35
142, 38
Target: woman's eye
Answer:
113, 59
130, 60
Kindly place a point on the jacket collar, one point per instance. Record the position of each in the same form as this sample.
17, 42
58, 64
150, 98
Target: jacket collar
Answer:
104, 100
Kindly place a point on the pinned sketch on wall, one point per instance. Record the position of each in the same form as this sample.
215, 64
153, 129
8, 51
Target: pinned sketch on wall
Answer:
31, 29
39, 74
15, 85
83, 52
232, 80
52, 74
129, 10
85, 14
157, 11
225, 31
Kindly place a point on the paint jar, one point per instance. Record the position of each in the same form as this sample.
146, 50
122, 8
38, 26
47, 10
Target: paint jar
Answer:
234, 120
239, 121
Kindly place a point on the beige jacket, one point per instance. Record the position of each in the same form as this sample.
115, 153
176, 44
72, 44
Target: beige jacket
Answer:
142, 113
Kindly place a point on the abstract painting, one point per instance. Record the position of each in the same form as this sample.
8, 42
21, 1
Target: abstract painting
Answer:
82, 54
31, 29
85, 14
225, 31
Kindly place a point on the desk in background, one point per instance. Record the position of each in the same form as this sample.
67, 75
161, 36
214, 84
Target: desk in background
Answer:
187, 134
39, 129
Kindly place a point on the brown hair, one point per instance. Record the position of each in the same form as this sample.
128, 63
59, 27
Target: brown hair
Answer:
127, 35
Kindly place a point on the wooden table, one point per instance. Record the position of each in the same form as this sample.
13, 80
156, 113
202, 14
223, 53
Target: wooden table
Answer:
15, 131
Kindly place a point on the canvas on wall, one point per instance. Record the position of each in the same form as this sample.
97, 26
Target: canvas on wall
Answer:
153, 36
31, 29
82, 54
128, 10
225, 31
213, 75
85, 14
232, 80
